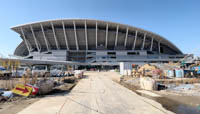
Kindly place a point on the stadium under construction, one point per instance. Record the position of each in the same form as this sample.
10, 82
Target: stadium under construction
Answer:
93, 42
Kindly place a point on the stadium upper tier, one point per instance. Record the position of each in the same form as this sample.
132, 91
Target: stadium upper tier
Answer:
86, 34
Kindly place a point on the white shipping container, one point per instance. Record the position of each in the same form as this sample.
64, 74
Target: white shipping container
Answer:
125, 68
129, 72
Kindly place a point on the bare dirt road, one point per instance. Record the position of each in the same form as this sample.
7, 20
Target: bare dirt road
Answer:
96, 94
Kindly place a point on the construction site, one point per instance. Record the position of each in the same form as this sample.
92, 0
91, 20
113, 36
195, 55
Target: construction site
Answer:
87, 66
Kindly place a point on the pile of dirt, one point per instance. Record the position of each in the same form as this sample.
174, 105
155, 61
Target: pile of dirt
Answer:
133, 81
183, 90
45, 86
64, 88
65, 85
70, 80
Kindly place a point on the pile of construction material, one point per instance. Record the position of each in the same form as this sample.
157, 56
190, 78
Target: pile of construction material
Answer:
5, 95
183, 90
45, 86
163, 76
142, 76
148, 83
69, 79
31, 85
171, 70
194, 70
149, 70
79, 73
164, 71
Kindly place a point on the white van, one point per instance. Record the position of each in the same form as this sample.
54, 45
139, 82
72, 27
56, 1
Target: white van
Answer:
40, 70
19, 72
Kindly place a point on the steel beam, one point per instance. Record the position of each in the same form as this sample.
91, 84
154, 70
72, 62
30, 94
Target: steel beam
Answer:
151, 44
86, 39
30, 46
136, 32
45, 39
54, 34
37, 46
125, 42
64, 31
96, 34
159, 47
77, 47
106, 43
116, 37
23, 36
143, 41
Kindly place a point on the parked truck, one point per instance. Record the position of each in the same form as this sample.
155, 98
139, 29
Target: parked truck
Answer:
41, 70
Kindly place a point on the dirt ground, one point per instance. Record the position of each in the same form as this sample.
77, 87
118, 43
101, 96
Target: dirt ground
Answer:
174, 101
98, 82
115, 76
96, 94
16, 104
193, 101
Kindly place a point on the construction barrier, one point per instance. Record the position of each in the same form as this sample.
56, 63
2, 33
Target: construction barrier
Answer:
22, 90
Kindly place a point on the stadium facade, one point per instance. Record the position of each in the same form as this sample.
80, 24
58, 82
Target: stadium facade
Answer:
92, 42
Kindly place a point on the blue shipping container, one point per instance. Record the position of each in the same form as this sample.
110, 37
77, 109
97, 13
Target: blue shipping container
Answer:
179, 73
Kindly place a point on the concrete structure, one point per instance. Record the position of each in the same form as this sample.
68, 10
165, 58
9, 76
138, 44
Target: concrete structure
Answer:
93, 42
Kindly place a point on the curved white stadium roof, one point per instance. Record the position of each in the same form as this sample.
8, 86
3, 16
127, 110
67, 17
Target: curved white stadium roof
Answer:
87, 34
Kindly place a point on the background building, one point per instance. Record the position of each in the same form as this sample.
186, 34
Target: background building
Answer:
94, 42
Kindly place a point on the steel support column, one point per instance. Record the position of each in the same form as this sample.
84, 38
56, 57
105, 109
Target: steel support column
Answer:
106, 43
77, 47
64, 31
36, 43
86, 39
45, 39
116, 37
136, 32
125, 42
151, 44
23, 36
96, 34
143, 42
54, 34
30, 46
159, 47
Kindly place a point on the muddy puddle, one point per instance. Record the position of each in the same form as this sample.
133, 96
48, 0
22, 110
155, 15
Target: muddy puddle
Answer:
167, 103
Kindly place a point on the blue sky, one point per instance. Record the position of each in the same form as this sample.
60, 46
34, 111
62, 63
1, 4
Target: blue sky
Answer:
176, 20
